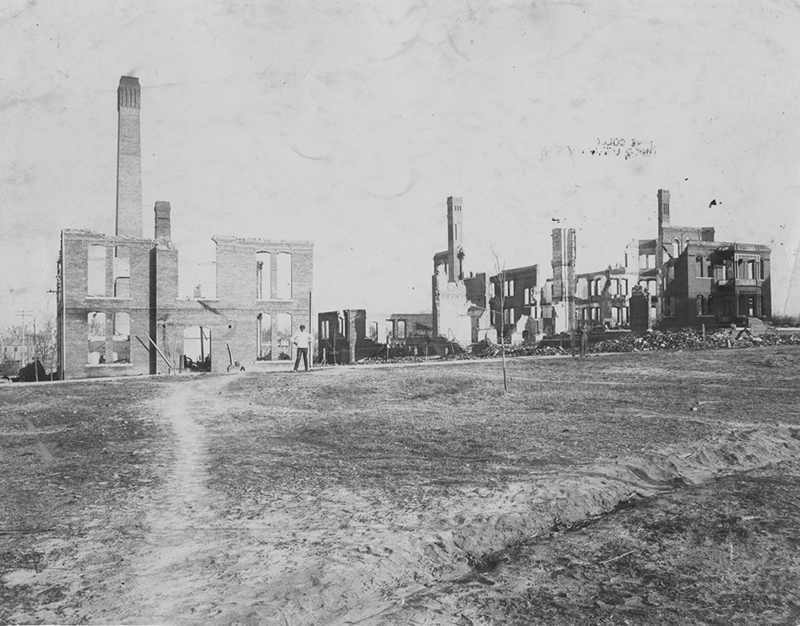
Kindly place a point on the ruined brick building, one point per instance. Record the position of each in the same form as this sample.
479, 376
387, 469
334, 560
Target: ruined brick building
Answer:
687, 279
468, 309
119, 312
702, 281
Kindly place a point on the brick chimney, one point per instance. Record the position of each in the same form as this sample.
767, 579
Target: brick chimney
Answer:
663, 207
163, 224
129, 159
455, 237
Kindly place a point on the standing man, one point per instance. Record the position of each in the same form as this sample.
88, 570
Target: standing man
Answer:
302, 340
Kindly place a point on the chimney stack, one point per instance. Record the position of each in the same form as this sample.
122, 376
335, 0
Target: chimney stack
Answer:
163, 225
455, 237
663, 207
129, 159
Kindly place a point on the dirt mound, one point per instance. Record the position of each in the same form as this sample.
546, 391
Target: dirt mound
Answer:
481, 528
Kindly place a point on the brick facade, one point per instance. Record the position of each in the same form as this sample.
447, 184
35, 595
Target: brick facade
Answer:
157, 314
119, 313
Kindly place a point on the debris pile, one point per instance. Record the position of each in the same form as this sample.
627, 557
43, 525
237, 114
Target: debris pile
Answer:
685, 339
689, 340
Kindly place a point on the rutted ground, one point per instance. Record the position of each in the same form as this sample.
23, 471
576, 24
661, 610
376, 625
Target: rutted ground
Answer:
346, 495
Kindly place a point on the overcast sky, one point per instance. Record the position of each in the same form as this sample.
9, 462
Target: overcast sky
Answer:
348, 125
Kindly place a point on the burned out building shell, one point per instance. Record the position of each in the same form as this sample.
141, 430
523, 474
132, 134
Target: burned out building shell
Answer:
119, 311
515, 307
120, 314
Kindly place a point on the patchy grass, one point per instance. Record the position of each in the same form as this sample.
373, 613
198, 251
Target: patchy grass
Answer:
405, 431
70, 455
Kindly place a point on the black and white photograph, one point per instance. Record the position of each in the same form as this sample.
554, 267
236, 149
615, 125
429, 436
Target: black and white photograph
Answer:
454, 312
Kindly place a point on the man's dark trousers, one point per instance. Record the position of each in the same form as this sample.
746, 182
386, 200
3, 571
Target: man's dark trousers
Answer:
301, 352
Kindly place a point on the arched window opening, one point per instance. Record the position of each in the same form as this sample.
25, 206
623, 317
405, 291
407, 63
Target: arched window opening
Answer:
284, 272
264, 337
263, 275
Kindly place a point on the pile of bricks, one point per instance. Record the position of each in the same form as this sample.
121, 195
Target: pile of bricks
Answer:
689, 340
654, 340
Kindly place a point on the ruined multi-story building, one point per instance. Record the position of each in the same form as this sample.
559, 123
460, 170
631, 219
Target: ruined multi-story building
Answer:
119, 311
706, 282
515, 309
459, 302
686, 277
344, 337
468, 309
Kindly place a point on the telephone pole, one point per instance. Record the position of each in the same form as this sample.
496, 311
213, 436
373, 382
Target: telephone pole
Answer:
25, 355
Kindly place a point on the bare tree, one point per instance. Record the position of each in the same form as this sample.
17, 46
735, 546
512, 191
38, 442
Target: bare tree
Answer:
499, 298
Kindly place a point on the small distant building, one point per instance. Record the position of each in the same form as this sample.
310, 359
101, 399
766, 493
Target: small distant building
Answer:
410, 329
342, 337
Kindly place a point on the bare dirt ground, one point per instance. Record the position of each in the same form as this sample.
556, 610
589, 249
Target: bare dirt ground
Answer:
637, 488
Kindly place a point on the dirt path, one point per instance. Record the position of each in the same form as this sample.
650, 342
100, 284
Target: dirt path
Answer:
168, 575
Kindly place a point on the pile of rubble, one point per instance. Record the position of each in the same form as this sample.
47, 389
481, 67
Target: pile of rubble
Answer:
686, 339
689, 340
654, 340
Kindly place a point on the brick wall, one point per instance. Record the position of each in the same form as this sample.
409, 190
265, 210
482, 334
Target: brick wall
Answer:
78, 304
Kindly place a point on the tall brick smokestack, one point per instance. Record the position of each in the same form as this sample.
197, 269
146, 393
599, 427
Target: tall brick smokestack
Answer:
129, 159
564, 253
663, 207
455, 237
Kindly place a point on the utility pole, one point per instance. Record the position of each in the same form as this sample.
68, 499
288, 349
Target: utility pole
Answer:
25, 355
35, 364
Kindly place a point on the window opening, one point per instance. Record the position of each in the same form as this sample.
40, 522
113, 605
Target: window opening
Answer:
122, 272
96, 271
264, 337
284, 336
122, 337
284, 271
96, 321
263, 275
